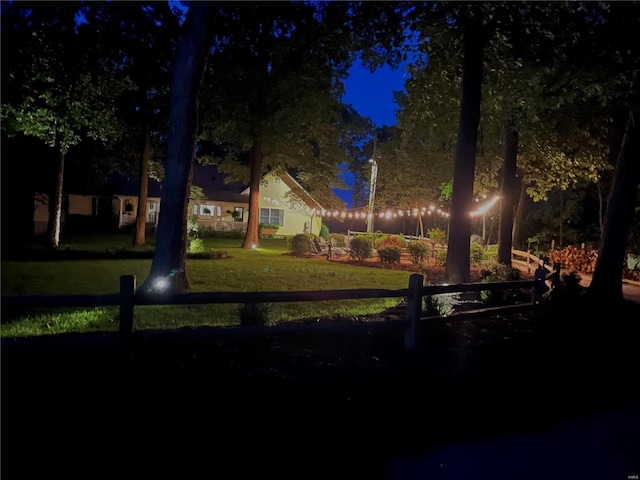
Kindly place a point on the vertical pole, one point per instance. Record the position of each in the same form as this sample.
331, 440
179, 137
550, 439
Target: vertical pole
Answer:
414, 309
127, 294
540, 286
555, 280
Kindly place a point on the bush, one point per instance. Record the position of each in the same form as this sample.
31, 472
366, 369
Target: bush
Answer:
419, 251
361, 248
391, 240
440, 305
193, 228
196, 246
441, 258
491, 253
255, 314
324, 232
476, 253
302, 244
437, 235
339, 239
498, 272
390, 254
211, 254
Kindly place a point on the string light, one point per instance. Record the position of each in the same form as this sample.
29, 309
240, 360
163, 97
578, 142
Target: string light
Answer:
390, 213
483, 209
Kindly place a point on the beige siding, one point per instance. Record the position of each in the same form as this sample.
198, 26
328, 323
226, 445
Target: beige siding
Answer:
80, 205
219, 219
273, 194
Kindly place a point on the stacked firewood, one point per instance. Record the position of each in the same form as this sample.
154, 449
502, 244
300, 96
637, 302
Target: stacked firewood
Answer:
580, 260
573, 259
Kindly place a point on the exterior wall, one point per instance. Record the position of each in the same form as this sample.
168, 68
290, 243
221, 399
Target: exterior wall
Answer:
127, 216
224, 221
40, 214
80, 204
273, 195
297, 216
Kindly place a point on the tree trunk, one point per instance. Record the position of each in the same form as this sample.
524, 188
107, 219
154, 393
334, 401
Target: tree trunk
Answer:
55, 213
519, 216
607, 276
188, 71
458, 263
252, 237
139, 236
508, 194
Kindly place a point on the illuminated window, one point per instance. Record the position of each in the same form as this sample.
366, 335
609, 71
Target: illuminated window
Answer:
272, 215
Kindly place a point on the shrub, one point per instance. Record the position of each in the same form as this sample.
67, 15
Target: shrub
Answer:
390, 254
211, 254
476, 253
339, 239
491, 253
255, 314
391, 240
361, 248
324, 232
441, 305
497, 272
419, 251
441, 258
193, 228
437, 235
196, 246
302, 244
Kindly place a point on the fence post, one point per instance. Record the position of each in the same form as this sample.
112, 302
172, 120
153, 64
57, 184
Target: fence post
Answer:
540, 287
127, 294
555, 279
414, 309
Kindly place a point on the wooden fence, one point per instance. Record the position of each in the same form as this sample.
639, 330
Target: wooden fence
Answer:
128, 298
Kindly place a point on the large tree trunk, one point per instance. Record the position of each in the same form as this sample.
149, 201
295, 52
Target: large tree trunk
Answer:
607, 276
55, 203
519, 215
139, 236
458, 263
188, 70
508, 194
252, 237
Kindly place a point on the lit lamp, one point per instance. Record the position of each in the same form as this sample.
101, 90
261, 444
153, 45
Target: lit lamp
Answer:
372, 193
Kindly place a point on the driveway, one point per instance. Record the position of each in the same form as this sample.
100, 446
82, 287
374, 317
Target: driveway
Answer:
630, 288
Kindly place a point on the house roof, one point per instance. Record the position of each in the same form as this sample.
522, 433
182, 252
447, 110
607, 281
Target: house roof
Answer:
293, 184
206, 177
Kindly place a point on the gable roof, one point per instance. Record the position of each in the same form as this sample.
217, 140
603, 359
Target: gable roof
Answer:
293, 184
210, 180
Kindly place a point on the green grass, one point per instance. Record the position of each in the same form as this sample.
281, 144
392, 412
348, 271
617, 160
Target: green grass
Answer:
264, 269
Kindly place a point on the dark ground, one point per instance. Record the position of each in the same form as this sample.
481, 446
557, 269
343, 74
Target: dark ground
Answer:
518, 397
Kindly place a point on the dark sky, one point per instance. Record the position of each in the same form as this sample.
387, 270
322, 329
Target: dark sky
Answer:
371, 94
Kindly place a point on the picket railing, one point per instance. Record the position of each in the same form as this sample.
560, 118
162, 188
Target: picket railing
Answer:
128, 298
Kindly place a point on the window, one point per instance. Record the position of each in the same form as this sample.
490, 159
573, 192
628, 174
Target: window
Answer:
238, 214
207, 210
272, 215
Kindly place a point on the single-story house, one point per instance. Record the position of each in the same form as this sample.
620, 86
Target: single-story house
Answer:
223, 206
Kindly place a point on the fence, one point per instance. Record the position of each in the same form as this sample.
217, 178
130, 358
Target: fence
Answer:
128, 298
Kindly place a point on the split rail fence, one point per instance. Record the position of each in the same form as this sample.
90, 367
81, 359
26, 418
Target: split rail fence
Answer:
128, 298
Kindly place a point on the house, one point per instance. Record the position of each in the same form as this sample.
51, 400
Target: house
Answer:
223, 206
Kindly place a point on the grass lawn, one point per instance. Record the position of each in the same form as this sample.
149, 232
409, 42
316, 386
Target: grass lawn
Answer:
264, 269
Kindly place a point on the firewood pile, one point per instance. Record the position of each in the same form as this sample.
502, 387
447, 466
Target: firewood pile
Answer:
580, 260
573, 259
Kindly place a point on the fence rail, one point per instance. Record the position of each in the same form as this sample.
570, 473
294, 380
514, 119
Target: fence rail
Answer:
128, 298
